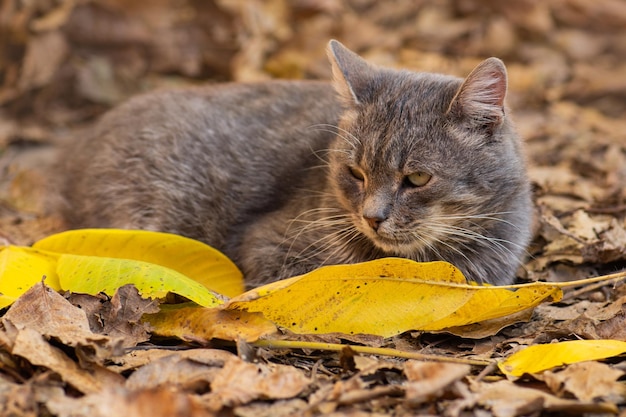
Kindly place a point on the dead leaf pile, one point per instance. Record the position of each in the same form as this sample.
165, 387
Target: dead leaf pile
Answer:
63, 63
98, 345
56, 360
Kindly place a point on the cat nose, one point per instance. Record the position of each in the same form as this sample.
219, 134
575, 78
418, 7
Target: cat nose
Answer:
374, 222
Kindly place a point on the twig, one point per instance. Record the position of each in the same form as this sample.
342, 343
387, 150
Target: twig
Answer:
288, 344
586, 289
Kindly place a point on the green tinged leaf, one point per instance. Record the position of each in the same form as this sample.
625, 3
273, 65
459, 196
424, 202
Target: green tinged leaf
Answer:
102, 260
95, 274
192, 258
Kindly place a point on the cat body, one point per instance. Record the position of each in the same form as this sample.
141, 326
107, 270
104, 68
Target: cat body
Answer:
287, 176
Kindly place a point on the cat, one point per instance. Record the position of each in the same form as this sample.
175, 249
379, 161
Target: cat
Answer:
287, 176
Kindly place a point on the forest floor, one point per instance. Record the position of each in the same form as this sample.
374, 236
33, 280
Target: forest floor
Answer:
63, 63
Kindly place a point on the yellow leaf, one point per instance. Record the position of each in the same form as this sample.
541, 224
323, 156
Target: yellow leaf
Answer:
95, 274
385, 297
488, 303
192, 258
21, 268
192, 322
538, 358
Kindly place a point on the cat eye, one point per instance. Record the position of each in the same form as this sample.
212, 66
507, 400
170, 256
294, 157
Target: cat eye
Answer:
418, 179
357, 173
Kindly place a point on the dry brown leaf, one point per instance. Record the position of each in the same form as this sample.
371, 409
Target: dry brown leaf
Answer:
428, 380
241, 382
588, 381
44, 55
192, 371
328, 399
580, 237
368, 365
194, 323
44, 311
609, 245
592, 320
159, 402
565, 60
598, 311
30, 345
55, 18
119, 317
18, 399
506, 399
293, 407
489, 327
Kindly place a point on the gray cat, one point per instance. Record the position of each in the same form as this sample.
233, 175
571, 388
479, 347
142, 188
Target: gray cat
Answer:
284, 177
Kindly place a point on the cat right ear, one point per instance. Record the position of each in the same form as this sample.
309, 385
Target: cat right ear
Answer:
481, 96
350, 73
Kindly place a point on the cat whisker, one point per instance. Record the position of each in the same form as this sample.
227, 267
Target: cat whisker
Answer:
312, 225
308, 192
349, 241
484, 216
316, 210
463, 237
348, 137
322, 244
433, 233
475, 236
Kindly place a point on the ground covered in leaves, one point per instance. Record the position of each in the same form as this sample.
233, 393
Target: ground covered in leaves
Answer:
64, 62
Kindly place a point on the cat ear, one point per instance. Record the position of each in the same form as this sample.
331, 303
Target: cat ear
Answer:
481, 96
350, 73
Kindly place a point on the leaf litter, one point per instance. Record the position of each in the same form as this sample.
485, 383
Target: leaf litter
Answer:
64, 63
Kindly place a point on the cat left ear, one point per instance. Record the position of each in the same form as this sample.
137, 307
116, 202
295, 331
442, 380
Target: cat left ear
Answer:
481, 96
350, 72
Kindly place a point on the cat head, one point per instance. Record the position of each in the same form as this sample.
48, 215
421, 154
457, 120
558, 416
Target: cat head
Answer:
425, 164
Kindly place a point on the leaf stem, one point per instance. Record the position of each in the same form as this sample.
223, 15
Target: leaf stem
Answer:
610, 277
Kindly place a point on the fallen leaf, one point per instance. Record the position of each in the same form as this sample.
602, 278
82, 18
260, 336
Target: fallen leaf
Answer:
30, 345
538, 358
588, 381
21, 268
385, 297
505, 399
596, 320
192, 322
95, 274
192, 370
189, 257
489, 327
17, 399
46, 312
44, 56
115, 401
119, 317
427, 380
240, 382
54, 19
